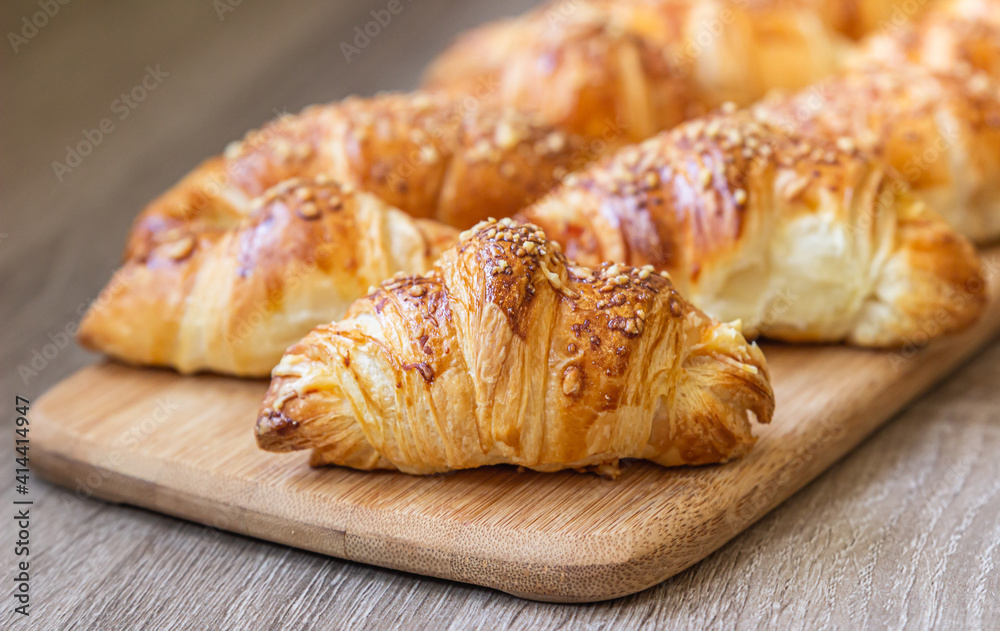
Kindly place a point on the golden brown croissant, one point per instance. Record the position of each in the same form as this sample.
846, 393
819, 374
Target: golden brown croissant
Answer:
939, 131
630, 68
505, 353
802, 238
232, 298
622, 71
225, 270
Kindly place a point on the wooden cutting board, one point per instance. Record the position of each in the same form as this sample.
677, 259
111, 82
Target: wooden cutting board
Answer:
185, 446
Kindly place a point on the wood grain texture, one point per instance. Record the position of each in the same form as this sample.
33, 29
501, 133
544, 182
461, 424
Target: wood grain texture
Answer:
185, 446
901, 533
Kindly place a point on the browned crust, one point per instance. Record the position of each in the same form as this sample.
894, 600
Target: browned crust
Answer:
858, 18
947, 283
452, 159
605, 347
576, 70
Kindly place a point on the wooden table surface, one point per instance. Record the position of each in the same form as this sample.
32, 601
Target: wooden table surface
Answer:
904, 532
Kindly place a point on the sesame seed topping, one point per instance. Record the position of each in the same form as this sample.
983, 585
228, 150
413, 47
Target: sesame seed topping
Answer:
704, 177
180, 248
505, 135
283, 148
416, 291
979, 83
308, 210
572, 381
428, 154
740, 196
794, 188
555, 142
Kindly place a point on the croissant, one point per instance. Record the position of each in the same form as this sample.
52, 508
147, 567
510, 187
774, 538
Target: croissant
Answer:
622, 71
803, 238
232, 299
254, 248
506, 353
